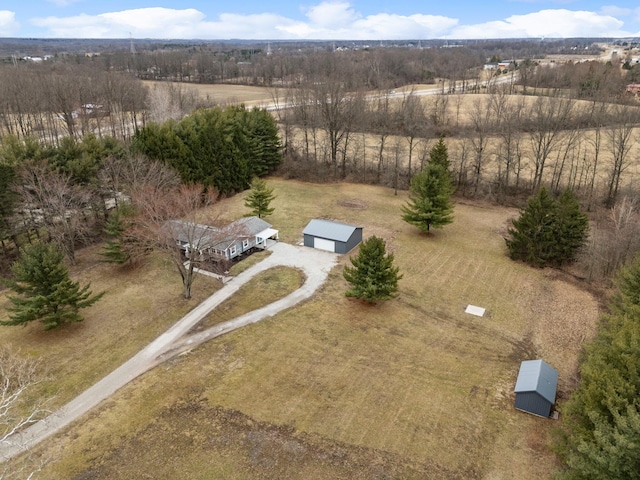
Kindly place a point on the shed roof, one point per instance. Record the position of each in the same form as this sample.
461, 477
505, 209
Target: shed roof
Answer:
537, 376
329, 230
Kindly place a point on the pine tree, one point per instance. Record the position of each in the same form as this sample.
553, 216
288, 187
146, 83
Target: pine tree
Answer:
113, 251
439, 154
259, 199
373, 276
531, 237
572, 227
429, 199
548, 232
46, 291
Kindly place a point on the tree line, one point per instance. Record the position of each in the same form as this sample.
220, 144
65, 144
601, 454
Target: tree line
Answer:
64, 193
224, 149
601, 433
502, 144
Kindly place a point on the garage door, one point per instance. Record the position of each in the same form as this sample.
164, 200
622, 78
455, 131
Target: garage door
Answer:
322, 244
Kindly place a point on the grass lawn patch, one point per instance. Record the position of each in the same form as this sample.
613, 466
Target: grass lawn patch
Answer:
139, 304
263, 289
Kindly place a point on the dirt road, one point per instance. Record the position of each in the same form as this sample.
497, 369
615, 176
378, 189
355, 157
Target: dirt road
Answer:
315, 264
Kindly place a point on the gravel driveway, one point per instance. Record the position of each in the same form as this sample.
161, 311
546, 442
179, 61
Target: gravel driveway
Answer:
315, 264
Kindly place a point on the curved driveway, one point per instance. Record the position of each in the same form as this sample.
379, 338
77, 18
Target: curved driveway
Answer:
315, 264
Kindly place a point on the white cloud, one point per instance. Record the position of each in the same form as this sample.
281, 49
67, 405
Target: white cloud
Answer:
331, 15
328, 20
8, 24
63, 3
383, 26
545, 23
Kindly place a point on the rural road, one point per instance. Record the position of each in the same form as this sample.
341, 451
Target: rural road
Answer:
315, 264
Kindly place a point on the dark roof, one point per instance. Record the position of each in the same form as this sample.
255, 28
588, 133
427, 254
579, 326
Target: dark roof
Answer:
537, 376
329, 230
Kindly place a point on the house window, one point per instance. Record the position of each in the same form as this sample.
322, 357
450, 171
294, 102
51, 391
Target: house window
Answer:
232, 250
245, 244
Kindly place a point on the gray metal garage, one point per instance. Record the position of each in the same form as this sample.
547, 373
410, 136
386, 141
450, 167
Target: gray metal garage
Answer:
536, 387
331, 236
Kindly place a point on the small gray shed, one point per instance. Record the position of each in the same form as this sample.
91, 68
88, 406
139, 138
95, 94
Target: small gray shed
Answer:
331, 236
536, 387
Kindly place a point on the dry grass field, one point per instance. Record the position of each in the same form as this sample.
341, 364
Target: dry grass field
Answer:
138, 306
225, 94
365, 148
334, 388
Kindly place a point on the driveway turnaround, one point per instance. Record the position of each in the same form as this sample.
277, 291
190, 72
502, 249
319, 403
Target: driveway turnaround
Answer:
315, 264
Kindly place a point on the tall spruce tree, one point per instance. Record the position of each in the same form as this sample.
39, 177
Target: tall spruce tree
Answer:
259, 199
439, 154
373, 276
572, 228
531, 236
114, 251
46, 291
548, 232
429, 202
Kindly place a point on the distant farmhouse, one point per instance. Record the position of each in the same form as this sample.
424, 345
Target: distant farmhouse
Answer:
226, 243
497, 65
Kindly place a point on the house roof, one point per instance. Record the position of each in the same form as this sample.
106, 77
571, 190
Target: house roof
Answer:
249, 226
537, 376
213, 237
329, 230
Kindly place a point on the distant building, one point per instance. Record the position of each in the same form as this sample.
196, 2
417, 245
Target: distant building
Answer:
633, 88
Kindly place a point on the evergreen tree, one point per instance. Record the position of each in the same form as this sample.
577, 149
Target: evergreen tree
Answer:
218, 148
373, 276
572, 228
113, 251
548, 232
8, 200
429, 199
46, 291
628, 288
601, 434
259, 199
531, 237
439, 154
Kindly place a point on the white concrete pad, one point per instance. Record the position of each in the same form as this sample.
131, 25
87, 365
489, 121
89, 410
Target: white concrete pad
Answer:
473, 310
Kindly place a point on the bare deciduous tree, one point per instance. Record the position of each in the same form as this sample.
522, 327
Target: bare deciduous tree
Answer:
164, 220
18, 376
508, 114
413, 122
621, 139
614, 240
53, 201
547, 121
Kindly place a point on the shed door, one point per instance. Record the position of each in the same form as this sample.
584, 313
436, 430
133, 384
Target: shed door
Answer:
322, 244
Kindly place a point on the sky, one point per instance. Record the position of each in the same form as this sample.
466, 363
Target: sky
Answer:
319, 19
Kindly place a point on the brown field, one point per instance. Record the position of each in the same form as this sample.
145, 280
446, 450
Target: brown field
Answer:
225, 94
333, 388
365, 148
